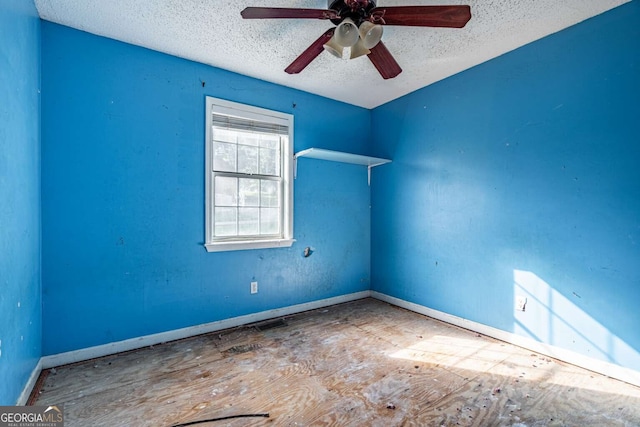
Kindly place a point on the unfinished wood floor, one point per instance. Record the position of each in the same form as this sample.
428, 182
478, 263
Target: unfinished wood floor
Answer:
364, 363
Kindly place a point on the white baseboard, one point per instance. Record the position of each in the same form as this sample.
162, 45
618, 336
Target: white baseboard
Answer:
605, 368
31, 383
147, 340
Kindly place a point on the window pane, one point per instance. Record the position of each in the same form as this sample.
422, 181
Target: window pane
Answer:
249, 221
225, 222
247, 159
226, 191
248, 138
270, 141
224, 135
224, 156
248, 193
269, 162
269, 194
269, 221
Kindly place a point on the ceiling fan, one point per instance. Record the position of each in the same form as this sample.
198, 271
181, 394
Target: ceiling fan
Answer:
359, 26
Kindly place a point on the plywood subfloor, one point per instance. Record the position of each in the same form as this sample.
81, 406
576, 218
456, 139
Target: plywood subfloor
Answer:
364, 363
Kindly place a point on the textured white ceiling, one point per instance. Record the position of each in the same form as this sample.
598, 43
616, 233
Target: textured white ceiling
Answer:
213, 32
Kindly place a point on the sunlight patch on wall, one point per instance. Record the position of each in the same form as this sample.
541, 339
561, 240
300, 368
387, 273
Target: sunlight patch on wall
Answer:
552, 318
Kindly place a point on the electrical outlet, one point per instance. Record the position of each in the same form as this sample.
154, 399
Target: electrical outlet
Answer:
254, 287
521, 303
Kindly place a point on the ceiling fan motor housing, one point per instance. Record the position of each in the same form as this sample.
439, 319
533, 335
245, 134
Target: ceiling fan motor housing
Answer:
357, 10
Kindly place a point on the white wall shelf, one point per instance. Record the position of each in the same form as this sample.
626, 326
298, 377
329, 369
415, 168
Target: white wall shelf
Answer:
339, 156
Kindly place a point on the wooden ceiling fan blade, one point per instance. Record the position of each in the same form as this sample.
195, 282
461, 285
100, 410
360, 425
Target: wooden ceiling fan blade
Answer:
384, 61
285, 12
305, 58
423, 16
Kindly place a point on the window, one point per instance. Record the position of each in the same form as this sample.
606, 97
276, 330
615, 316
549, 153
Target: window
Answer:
249, 186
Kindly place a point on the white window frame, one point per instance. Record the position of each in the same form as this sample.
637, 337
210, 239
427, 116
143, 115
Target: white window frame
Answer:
221, 106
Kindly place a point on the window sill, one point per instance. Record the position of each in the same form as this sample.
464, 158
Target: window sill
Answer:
249, 244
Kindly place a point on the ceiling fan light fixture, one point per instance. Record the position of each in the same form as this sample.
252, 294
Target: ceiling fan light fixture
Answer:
347, 33
370, 33
359, 49
333, 47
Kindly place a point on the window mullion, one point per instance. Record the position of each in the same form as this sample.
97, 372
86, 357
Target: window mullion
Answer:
249, 176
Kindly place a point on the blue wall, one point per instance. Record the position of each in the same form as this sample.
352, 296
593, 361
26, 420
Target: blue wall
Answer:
521, 177
123, 196
20, 300
516, 178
